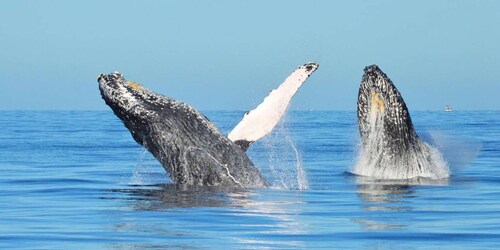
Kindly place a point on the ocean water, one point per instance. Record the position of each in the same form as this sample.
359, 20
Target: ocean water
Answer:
74, 179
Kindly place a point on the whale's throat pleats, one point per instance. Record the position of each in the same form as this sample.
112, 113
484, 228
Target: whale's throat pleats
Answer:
376, 103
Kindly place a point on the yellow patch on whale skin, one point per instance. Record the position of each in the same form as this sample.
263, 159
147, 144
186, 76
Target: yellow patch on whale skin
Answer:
134, 85
377, 103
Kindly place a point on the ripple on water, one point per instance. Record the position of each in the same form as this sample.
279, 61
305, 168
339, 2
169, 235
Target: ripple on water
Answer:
77, 179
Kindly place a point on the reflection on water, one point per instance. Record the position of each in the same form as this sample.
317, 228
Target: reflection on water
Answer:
383, 191
167, 196
375, 225
382, 195
222, 209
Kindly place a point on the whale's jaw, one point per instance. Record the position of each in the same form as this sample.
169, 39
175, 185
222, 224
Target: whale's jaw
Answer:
379, 101
127, 102
390, 147
190, 148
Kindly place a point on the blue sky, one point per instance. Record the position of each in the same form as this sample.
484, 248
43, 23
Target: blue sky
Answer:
227, 55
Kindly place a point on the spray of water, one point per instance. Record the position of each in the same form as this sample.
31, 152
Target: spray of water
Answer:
375, 158
147, 171
284, 160
459, 151
302, 182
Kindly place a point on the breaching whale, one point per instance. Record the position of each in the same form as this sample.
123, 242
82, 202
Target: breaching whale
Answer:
188, 145
390, 147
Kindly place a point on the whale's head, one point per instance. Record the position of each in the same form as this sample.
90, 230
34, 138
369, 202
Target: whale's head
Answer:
381, 109
121, 95
150, 116
135, 105
390, 147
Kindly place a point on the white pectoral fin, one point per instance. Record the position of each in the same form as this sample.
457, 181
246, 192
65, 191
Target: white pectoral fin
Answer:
261, 121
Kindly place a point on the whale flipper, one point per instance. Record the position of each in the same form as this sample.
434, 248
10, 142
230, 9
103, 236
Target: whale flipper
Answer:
259, 122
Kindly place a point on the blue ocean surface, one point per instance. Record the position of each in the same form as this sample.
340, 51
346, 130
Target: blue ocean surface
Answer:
77, 180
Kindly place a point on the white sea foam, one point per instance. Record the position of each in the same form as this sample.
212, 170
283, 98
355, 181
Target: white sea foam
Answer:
284, 160
374, 160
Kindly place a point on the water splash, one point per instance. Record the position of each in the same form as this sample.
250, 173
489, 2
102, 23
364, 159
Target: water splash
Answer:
284, 160
147, 171
302, 181
459, 151
376, 160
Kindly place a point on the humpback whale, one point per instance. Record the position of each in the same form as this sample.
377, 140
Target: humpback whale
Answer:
390, 147
188, 145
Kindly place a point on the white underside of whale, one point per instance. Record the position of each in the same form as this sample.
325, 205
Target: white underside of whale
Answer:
260, 121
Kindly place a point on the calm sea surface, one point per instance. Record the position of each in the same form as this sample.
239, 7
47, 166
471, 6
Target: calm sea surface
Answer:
73, 179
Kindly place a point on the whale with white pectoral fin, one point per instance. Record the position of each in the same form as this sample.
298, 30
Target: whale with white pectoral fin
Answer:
189, 146
390, 146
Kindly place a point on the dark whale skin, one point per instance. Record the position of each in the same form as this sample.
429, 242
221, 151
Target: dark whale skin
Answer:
187, 144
